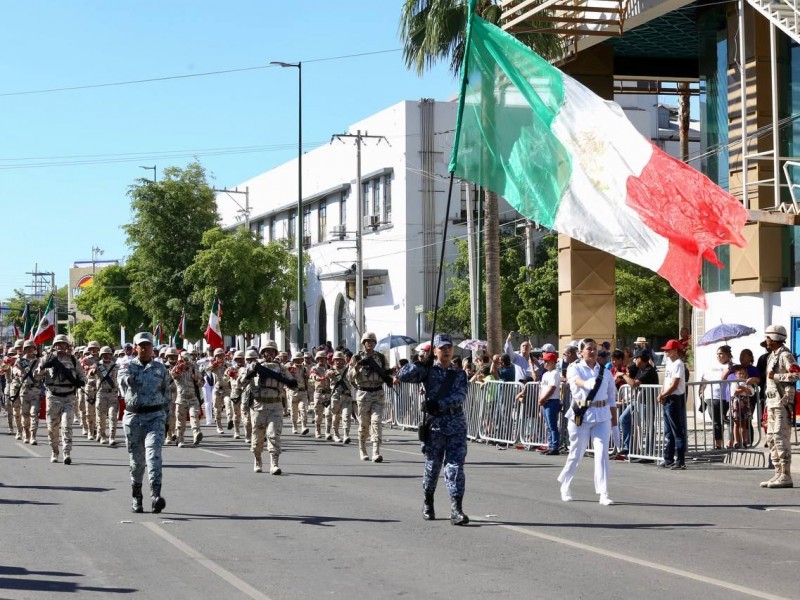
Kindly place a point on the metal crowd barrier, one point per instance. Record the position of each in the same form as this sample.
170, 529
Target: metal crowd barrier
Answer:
711, 419
533, 430
641, 422
500, 412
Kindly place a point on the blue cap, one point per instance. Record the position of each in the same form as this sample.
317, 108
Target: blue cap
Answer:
442, 339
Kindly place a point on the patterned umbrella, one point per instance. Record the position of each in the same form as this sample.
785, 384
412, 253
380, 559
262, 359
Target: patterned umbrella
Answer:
394, 341
473, 345
724, 332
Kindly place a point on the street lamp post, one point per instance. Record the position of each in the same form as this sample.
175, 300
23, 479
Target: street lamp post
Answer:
300, 299
95, 253
153, 169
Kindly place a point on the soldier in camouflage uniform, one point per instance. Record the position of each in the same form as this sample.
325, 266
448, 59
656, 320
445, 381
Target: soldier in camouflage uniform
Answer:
217, 368
267, 411
104, 374
283, 359
245, 386
188, 382
782, 374
28, 382
145, 384
298, 397
13, 402
232, 374
171, 356
63, 376
90, 358
445, 393
341, 398
318, 378
367, 373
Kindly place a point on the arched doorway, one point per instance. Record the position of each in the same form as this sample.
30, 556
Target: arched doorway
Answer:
341, 322
322, 322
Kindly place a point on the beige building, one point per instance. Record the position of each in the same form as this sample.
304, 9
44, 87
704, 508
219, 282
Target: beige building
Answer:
81, 277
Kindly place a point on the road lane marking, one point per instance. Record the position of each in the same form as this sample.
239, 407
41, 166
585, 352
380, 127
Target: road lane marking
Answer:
214, 453
637, 561
402, 451
28, 450
209, 564
783, 509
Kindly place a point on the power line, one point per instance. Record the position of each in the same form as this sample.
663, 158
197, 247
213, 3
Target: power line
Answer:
184, 76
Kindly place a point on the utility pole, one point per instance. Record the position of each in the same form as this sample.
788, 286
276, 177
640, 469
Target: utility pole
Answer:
39, 284
243, 210
359, 137
95, 253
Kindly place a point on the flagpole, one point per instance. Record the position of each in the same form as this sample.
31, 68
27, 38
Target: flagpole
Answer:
464, 80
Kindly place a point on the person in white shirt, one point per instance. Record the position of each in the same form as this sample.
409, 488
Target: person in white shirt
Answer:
591, 416
519, 360
550, 402
673, 399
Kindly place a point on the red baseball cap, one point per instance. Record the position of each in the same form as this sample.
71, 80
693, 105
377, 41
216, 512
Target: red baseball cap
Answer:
550, 356
672, 345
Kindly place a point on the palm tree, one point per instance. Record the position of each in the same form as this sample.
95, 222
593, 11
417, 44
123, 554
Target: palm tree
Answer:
434, 30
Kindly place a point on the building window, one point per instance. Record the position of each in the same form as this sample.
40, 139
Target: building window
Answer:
365, 198
291, 231
261, 231
273, 234
376, 197
306, 226
343, 211
341, 321
387, 198
322, 219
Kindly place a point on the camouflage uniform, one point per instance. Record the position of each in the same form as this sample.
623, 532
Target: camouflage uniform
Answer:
187, 381
245, 391
89, 393
447, 441
298, 397
146, 390
780, 392
341, 400
318, 377
217, 368
107, 404
232, 374
267, 411
13, 402
370, 398
29, 393
61, 397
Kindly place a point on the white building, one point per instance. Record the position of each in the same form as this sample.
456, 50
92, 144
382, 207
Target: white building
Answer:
405, 181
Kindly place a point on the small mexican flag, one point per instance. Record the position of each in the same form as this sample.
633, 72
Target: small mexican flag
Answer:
177, 337
46, 330
213, 333
158, 334
29, 323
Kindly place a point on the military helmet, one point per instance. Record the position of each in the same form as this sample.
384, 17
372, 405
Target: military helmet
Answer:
19, 344
106, 350
338, 354
171, 352
271, 344
238, 354
185, 354
219, 352
61, 339
298, 356
251, 354
93, 344
369, 335
28, 344
321, 354
776, 332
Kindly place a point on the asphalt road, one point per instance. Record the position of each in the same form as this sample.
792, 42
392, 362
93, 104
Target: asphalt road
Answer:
334, 527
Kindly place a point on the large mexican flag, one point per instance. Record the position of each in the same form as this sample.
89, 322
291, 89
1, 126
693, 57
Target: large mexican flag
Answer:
213, 333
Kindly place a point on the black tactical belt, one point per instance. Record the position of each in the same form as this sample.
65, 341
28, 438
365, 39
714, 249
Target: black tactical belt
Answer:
63, 395
454, 410
143, 409
372, 389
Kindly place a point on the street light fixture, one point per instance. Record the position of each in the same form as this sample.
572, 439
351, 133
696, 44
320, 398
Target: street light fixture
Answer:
153, 169
300, 300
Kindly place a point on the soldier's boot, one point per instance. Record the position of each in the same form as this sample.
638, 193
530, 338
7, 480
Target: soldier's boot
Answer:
257, 464
376, 452
218, 422
67, 458
427, 507
54, 457
362, 450
111, 440
26, 434
784, 481
274, 469
457, 516
34, 442
157, 501
774, 478
136, 502
236, 434
317, 429
197, 437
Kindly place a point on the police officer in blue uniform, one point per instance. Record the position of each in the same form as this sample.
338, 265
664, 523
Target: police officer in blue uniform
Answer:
145, 383
444, 430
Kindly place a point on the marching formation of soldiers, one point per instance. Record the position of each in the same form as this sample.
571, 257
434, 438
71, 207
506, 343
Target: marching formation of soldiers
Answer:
252, 392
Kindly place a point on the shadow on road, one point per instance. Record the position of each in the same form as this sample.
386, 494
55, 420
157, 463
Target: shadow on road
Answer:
367, 475
33, 502
583, 525
65, 488
46, 585
322, 521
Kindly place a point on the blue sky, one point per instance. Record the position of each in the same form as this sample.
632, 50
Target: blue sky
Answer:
68, 157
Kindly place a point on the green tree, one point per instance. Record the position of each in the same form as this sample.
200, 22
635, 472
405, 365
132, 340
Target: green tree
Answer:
253, 281
646, 304
108, 302
166, 231
16, 304
434, 30
538, 290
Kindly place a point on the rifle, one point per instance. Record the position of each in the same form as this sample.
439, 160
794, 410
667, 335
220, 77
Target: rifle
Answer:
107, 377
262, 371
370, 363
53, 362
341, 382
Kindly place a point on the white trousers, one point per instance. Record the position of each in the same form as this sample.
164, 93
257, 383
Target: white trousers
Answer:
579, 437
208, 403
